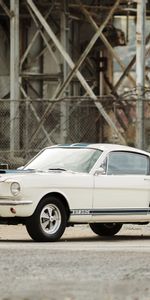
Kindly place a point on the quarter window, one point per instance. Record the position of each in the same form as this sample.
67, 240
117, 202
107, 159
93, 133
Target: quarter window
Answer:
120, 162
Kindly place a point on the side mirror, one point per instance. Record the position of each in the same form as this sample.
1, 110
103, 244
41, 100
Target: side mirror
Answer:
20, 168
100, 171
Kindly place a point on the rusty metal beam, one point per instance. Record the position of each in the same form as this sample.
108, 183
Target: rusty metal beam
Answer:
75, 67
35, 114
70, 112
39, 31
92, 42
28, 49
125, 73
128, 68
105, 41
8, 12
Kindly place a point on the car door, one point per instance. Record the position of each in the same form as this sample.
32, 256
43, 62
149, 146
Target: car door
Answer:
123, 192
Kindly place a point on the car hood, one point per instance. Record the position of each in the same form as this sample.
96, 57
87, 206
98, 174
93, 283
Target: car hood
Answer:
45, 181
20, 174
9, 171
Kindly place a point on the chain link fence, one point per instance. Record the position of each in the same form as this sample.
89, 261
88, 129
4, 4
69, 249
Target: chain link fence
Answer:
27, 126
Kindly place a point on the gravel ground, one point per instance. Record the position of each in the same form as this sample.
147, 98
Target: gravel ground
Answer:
79, 266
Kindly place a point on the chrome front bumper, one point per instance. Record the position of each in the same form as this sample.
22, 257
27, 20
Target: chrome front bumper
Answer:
14, 202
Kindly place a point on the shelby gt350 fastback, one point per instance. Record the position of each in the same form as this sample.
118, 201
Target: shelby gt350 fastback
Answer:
103, 185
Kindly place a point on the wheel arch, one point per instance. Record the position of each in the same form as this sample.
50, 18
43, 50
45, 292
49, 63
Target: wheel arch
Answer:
59, 196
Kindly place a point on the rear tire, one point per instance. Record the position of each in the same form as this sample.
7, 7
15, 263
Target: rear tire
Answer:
106, 229
48, 222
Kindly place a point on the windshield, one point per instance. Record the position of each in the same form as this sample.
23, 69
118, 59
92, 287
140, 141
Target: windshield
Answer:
74, 159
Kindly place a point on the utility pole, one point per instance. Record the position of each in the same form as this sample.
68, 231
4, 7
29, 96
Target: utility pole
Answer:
14, 77
140, 71
65, 70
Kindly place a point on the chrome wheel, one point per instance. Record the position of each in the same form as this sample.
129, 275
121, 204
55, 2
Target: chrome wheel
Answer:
50, 218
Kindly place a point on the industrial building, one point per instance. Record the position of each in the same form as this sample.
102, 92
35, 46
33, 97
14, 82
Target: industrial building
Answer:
73, 71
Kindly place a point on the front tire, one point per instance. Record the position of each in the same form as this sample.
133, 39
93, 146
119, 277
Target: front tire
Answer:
106, 229
48, 222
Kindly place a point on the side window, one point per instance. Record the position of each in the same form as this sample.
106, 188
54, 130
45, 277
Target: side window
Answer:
120, 162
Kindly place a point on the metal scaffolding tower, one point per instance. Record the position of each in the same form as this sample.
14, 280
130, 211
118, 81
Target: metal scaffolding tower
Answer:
42, 38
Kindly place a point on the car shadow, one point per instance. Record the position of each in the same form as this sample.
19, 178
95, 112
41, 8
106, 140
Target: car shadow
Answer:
15, 240
116, 238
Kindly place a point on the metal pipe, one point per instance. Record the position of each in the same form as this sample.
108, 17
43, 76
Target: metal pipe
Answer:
14, 77
65, 70
140, 71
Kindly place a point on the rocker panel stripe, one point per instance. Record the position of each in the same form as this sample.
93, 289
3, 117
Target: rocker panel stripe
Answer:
113, 211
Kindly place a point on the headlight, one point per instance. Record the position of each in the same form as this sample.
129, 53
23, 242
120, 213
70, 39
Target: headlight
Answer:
15, 188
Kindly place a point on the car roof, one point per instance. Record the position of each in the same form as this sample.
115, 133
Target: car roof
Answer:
103, 147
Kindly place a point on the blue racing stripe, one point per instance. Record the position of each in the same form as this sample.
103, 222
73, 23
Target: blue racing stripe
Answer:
110, 211
84, 145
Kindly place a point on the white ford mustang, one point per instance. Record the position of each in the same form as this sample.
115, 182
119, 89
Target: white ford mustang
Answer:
104, 185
